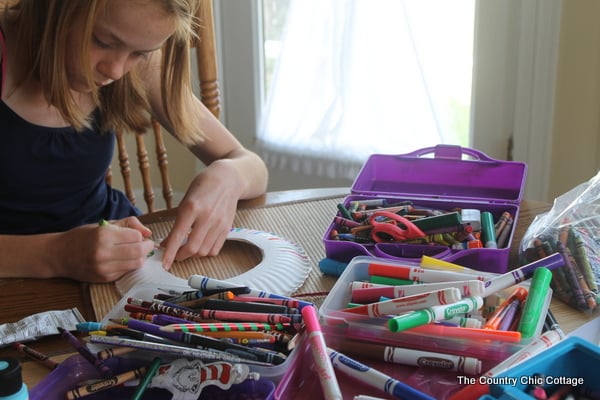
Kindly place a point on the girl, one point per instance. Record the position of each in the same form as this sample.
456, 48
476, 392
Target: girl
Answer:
72, 73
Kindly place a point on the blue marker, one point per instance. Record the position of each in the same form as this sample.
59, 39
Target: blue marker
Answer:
374, 378
333, 267
204, 283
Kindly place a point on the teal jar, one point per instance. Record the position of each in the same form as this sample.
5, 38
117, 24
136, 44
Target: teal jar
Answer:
11, 380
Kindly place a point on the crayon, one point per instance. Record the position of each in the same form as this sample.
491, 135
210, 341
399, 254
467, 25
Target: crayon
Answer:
435, 313
208, 343
324, 366
419, 358
105, 384
240, 306
571, 277
224, 327
113, 352
36, 355
502, 239
583, 261
408, 303
501, 223
96, 326
520, 274
532, 309
85, 352
374, 378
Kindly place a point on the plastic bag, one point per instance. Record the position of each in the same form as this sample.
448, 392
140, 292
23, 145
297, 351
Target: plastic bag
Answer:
572, 228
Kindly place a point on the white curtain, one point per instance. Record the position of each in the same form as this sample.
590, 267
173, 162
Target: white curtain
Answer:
357, 77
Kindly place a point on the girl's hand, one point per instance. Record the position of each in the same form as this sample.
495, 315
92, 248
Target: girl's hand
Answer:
103, 253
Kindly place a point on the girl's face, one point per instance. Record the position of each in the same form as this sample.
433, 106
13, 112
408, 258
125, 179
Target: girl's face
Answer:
123, 36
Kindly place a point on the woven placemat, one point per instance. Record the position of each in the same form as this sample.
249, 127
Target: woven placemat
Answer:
302, 222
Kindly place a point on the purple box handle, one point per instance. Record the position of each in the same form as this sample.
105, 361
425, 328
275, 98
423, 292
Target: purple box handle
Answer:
450, 151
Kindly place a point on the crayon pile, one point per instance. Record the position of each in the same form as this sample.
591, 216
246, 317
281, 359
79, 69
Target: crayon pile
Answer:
222, 322
576, 283
214, 329
362, 221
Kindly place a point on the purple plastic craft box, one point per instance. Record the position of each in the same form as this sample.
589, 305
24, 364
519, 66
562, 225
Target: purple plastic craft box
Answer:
441, 177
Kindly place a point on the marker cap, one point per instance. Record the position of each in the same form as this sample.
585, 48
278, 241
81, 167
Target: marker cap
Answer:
410, 320
471, 366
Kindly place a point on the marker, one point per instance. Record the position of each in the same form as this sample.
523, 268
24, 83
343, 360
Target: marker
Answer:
324, 367
205, 283
36, 355
496, 318
435, 313
521, 274
361, 294
408, 303
418, 274
181, 351
478, 389
85, 352
374, 378
329, 266
152, 370
428, 262
532, 309
509, 317
488, 230
419, 358
468, 333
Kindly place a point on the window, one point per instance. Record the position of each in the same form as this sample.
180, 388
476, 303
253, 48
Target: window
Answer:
515, 51
353, 78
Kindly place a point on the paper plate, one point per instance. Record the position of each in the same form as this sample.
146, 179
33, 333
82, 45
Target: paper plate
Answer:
283, 269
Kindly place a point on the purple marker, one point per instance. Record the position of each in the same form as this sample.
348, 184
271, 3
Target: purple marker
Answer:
518, 275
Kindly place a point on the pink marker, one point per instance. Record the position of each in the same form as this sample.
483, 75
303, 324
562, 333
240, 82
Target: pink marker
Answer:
329, 383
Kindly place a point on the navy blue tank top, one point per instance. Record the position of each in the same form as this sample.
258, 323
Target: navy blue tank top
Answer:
53, 179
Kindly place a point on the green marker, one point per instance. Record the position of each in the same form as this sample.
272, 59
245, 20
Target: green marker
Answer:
435, 313
532, 310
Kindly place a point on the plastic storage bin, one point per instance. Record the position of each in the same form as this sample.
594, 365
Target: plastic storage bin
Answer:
442, 177
572, 362
339, 326
146, 291
75, 369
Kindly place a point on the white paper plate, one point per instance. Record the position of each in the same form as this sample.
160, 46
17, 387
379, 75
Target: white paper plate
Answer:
283, 269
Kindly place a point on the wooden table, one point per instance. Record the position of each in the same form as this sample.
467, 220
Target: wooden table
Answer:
22, 297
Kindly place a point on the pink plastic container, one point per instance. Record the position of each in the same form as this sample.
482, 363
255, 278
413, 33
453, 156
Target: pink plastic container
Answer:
442, 177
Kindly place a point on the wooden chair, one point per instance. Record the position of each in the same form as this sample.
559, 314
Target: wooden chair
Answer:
206, 56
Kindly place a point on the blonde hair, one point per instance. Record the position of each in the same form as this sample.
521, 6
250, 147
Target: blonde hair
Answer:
42, 30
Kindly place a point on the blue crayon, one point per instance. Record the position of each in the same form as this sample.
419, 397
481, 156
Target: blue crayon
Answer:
374, 378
